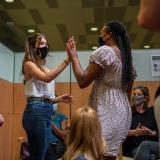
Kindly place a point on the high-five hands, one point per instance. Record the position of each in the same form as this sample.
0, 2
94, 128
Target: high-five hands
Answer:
71, 48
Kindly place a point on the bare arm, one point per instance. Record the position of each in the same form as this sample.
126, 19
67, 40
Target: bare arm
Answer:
33, 71
83, 77
61, 132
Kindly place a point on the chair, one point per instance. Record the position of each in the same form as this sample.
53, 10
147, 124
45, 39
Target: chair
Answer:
19, 142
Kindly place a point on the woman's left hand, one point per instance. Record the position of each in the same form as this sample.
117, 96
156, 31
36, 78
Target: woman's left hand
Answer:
65, 98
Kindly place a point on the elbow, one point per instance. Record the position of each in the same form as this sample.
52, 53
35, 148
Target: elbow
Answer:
47, 80
83, 85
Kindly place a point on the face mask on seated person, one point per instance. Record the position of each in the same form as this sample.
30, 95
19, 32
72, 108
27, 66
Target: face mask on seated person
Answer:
138, 100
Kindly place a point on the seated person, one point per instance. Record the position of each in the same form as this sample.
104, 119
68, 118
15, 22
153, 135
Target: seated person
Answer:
143, 132
1, 120
59, 126
84, 141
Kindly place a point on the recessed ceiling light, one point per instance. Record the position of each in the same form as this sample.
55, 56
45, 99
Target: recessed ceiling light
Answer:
9, 1
94, 28
147, 46
94, 47
31, 30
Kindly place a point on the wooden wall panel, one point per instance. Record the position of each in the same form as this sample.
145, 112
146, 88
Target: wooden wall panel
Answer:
62, 88
18, 132
12, 129
6, 138
19, 98
6, 96
81, 96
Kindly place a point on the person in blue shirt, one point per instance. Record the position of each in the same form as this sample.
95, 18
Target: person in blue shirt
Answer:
59, 124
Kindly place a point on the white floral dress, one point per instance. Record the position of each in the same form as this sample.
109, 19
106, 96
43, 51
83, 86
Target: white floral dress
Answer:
109, 100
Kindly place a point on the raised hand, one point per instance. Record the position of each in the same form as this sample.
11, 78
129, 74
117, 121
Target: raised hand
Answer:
71, 48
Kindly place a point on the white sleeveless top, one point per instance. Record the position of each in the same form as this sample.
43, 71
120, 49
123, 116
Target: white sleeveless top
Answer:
37, 88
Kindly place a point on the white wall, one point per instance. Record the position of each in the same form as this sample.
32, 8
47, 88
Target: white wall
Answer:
141, 60
6, 63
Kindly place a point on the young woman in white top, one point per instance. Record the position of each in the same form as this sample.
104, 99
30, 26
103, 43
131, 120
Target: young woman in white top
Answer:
39, 90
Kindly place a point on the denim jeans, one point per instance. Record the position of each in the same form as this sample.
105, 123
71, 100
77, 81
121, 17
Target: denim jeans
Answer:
55, 151
36, 122
147, 150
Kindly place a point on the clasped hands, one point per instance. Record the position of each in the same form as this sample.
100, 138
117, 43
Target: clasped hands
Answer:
142, 130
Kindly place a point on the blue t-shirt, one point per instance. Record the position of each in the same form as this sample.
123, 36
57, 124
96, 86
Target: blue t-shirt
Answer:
81, 157
57, 118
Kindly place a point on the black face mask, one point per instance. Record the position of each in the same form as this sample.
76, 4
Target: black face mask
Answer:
43, 52
101, 41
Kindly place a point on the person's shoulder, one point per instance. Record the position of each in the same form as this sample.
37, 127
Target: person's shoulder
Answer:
104, 47
103, 50
29, 64
61, 115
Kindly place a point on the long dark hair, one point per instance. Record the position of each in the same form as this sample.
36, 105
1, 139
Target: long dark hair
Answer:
120, 36
157, 93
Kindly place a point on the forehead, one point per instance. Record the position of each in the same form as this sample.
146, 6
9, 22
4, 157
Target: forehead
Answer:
137, 91
42, 39
104, 29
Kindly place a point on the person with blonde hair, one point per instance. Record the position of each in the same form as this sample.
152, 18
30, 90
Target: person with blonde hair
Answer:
85, 141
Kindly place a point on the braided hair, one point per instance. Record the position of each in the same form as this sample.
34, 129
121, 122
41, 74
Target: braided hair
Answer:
120, 36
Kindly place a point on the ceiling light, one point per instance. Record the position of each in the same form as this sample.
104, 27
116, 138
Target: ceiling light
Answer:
146, 46
94, 28
31, 30
9, 1
94, 47
10, 23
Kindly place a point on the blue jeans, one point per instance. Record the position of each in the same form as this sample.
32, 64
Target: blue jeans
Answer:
36, 122
147, 150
